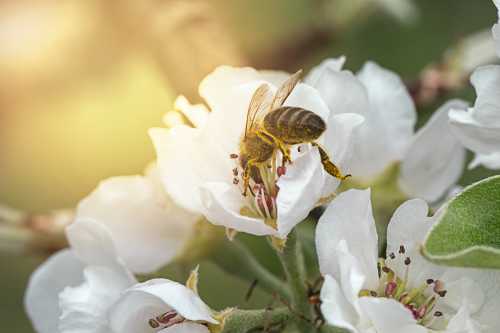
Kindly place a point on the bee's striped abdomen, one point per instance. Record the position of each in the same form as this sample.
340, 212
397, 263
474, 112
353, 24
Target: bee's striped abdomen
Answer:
294, 125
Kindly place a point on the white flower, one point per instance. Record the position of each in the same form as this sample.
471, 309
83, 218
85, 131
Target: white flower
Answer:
387, 135
404, 292
88, 289
198, 170
479, 127
136, 211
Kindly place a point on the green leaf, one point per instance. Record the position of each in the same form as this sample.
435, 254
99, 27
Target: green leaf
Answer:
467, 232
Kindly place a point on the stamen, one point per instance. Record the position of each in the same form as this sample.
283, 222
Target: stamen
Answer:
281, 171
166, 319
390, 289
153, 323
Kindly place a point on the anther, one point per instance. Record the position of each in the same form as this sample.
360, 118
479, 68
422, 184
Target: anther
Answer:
392, 256
438, 286
430, 281
235, 172
236, 181
402, 249
153, 323
390, 289
438, 314
233, 156
442, 293
407, 261
281, 171
386, 269
421, 312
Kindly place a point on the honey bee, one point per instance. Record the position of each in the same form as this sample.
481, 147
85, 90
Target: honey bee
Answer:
270, 127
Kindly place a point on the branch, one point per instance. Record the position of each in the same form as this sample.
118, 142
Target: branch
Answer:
237, 260
292, 260
246, 321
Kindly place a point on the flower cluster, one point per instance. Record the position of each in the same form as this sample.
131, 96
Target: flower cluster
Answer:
266, 150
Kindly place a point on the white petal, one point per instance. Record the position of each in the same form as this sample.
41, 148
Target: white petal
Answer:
215, 87
197, 114
148, 300
478, 137
489, 280
222, 204
462, 288
92, 242
478, 290
186, 159
134, 212
435, 159
389, 316
341, 90
335, 307
349, 217
462, 322
41, 300
186, 327
352, 276
408, 227
490, 161
389, 124
338, 142
330, 64
85, 307
479, 128
300, 190
307, 97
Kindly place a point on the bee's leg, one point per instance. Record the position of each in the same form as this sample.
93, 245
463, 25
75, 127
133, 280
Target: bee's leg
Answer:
331, 168
246, 176
285, 150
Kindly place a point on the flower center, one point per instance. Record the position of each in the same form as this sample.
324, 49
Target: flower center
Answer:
262, 190
165, 320
421, 301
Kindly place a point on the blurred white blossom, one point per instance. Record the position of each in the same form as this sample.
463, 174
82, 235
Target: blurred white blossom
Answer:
387, 136
478, 128
404, 292
200, 169
147, 228
87, 288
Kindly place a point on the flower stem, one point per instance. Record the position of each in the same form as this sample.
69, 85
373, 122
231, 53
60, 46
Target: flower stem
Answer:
243, 321
235, 259
292, 260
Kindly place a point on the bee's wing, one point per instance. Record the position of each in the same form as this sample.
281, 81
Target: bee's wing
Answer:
285, 90
258, 104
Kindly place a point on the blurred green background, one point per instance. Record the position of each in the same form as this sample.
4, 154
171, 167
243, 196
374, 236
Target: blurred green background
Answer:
81, 82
